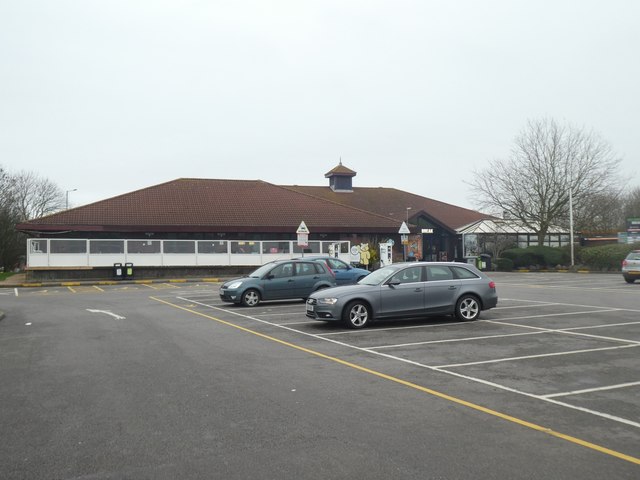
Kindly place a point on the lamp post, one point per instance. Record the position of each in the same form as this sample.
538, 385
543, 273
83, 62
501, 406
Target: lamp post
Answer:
67, 197
408, 208
571, 224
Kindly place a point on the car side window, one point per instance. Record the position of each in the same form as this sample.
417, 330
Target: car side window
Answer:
407, 275
337, 264
305, 268
438, 272
282, 271
461, 272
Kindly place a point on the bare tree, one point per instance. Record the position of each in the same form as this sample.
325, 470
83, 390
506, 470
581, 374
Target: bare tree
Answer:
631, 207
23, 196
546, 163
600, 213
35, 196
11, 242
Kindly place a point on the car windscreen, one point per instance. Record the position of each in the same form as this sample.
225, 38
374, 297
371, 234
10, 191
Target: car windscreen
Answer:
261, 271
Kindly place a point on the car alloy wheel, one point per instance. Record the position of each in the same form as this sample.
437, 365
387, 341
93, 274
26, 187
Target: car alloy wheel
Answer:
357, 315
467, 308
250, 298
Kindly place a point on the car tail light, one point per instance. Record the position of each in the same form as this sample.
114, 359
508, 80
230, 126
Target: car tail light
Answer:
330, 271
624, 263
492, 285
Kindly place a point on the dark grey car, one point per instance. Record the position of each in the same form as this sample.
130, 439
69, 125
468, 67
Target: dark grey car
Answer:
279, 280
407, 290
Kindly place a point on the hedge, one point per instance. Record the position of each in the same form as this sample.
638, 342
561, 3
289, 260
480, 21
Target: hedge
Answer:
601, 258
605, 257
537, 256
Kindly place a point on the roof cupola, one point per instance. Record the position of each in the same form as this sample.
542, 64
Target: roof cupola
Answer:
340, 178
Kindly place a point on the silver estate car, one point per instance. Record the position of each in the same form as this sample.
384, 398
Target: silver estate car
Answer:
407, 290
631, 266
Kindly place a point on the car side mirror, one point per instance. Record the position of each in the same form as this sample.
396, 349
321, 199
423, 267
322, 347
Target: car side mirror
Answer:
270, 276
394, 283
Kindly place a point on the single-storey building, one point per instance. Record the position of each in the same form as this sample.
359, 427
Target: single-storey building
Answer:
212, 226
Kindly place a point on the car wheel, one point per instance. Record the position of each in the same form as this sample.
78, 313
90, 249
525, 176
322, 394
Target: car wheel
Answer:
251, 298
356, 314
629, 280
467, 308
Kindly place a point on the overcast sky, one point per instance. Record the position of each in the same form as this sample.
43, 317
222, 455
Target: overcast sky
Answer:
112, 96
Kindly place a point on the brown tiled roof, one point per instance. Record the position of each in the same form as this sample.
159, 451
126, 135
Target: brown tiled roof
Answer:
205, 205
340, 170
393, 203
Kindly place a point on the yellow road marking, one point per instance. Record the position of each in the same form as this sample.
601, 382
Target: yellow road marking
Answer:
429, 391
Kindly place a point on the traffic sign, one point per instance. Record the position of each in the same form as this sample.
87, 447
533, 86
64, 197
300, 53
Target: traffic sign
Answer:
404, 229
302, 228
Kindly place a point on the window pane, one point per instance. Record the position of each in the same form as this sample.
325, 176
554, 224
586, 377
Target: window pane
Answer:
106, 246
38, 246
275, 247
179, 246
283, 270
68, 246
245, 247
336, 264
143, 246
408, 275
461, 272
313, 247
305, 269
209, 246
435, 273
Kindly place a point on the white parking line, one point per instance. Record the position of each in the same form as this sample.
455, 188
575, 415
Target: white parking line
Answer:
394, 329
558, 314
604, 325
542, 355
454, 340
432, 368
590, 390
526, 306
569, 331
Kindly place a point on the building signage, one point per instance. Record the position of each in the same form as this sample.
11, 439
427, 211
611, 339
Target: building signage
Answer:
303, 235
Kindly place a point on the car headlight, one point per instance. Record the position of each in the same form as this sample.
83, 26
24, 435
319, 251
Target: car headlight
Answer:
327, 301
234, 285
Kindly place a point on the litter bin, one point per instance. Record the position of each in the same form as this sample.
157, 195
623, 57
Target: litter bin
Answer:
484, 262
118, 272
128, 270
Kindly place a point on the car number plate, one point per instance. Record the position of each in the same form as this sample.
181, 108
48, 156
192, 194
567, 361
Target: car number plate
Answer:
310, 308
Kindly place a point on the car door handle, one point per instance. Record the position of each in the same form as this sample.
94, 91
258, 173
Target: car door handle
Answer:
418, 290
291, 280
452, 287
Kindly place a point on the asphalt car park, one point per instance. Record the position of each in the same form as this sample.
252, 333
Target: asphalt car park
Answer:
557, 358
560, 339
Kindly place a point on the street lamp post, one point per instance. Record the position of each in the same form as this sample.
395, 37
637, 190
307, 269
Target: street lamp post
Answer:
571, 225
67, 197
